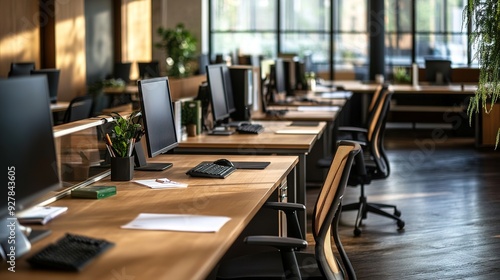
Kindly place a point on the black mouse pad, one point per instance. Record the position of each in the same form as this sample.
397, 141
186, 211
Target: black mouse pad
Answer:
251, 164
304, 123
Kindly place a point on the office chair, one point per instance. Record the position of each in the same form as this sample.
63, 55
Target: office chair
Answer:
287, 262
376, 164
79, 108
149, 69
21, 68
52, 79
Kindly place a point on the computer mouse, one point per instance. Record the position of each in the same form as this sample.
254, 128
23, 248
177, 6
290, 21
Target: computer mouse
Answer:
224, 162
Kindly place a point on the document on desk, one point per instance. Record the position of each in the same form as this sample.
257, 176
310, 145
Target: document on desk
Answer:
318, 108
162, 183
177, 222
336, 94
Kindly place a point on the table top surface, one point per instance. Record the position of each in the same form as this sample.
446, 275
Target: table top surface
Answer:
358, 86
144, 254
59, 106
269, 139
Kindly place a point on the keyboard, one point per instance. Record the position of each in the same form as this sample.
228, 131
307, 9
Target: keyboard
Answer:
70, 253
250, 128
276, 113
211, 170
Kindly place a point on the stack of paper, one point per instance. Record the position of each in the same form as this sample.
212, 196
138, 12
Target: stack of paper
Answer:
177, 222
40, 214
162, 183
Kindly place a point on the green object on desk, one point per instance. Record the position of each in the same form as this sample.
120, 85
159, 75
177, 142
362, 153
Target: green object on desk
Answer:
94, 192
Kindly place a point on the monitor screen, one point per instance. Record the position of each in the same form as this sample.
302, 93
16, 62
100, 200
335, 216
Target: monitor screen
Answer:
158, 115
228, 89
53, 80
28, 149
279, 76
149, 69
438, 71
21, 68
217, 93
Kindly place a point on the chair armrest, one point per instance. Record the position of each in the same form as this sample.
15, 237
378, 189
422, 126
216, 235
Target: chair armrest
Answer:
352, 129
280, 243
352, 133
292, 220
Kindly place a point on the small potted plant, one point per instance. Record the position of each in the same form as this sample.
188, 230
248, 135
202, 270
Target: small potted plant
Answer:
121, 145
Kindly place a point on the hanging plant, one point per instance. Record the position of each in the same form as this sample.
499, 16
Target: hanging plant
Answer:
485, 17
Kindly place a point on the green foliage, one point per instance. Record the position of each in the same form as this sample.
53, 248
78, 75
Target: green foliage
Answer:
124, 131
401, 75
486, 35
180, 47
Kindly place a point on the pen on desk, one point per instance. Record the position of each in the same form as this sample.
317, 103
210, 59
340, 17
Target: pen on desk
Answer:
110, 150
131, 147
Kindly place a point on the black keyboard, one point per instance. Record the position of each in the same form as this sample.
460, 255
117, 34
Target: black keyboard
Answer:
250, 128
70, 253
211, 170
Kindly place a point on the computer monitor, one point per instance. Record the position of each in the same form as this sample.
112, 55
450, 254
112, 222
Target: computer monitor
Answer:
149, 69
215, 78
438, 71
27, 148
21, 68
121, 70
228, 89
158, 119
52, 79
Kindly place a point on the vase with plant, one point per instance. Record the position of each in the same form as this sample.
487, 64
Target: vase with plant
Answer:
401, 75
484, 16
180, 47
121, 145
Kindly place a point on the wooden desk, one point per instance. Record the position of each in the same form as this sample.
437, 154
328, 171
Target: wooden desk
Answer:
267, 142
163, 254
59, 106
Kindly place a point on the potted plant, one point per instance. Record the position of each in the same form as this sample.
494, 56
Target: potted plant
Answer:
121, 144
180, 47
485, 17
401, 75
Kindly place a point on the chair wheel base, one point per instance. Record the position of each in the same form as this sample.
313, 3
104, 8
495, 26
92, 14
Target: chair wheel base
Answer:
357, 232
401, 224
397, 213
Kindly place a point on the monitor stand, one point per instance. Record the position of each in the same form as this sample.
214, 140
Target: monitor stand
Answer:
142, 164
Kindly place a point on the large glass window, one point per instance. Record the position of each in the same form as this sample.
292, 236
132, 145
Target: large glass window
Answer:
335, 32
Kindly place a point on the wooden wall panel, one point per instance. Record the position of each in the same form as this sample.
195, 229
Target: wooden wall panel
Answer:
70, 47
19, 33
136, 33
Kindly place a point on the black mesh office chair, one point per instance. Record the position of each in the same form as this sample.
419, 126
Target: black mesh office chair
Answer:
79, 108
288, 262
376, 164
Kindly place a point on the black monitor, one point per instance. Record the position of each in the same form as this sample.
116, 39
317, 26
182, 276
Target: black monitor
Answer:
217, 94
27, 148
149, 69
438, 71
121, 70
21, 68
158, 120
228, 89
53, 80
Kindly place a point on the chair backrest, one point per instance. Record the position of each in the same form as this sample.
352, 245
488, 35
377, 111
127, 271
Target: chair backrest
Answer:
376, 130
328, 203
79, 108
375, 97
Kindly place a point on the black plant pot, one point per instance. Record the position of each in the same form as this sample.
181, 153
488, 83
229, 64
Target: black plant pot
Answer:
122, 168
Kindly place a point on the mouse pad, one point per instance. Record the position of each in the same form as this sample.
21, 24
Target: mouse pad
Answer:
251, 164
304, 123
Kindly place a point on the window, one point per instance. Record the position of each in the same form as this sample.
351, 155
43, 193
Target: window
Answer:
336, 32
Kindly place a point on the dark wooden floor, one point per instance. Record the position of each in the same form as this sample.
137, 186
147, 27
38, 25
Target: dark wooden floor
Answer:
449, 195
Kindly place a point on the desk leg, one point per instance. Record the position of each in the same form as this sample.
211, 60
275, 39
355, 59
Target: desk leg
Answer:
300, 194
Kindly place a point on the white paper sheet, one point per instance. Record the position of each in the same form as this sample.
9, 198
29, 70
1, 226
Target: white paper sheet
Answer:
177, 222
318, 108
161, 183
